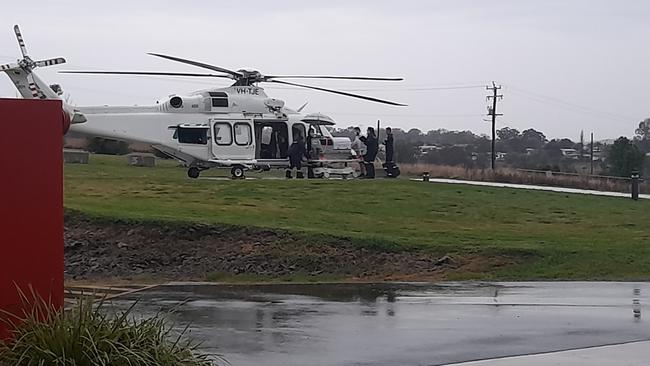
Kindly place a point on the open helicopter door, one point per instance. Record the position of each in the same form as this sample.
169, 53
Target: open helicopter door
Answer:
318, 123
193, 140
233, 139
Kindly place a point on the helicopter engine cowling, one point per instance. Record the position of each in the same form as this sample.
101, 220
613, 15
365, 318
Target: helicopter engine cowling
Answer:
184, 104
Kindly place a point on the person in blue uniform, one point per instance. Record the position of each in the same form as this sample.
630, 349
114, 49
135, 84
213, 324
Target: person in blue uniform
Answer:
296, 153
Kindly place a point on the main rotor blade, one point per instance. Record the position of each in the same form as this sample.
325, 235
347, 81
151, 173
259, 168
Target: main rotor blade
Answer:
199, 64
50, 62
338, 92
21, 42
146, 73
331, 77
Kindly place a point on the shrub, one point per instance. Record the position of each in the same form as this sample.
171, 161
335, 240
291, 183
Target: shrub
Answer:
508, 175
88, 335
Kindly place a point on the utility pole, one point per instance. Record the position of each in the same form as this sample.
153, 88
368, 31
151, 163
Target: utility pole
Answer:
492, 111
591, 154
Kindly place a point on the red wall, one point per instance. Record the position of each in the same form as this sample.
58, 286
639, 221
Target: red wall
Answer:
31, 201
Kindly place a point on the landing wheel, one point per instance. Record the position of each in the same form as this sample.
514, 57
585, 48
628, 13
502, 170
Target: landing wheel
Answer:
193, 172
237, 172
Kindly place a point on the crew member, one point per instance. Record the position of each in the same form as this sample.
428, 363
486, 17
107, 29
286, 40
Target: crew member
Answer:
389, 145
372, 145
296, 153
359, 149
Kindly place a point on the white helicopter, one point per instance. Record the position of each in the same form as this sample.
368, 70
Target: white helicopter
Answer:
237, 127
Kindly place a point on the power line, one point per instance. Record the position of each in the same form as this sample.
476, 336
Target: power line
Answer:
562, 103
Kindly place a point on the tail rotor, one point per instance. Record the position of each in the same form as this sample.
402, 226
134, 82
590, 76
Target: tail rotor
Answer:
23, 76
27, 62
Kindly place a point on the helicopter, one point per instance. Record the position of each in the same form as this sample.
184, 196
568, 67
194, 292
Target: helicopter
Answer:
238, 127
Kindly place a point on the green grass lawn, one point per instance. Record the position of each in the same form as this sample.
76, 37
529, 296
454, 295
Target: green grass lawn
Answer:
552, 235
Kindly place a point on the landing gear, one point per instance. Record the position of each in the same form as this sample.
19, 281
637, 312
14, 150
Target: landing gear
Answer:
238, 172
193, 172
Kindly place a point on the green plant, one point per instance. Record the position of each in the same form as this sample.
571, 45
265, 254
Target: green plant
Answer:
623, 157
89, 335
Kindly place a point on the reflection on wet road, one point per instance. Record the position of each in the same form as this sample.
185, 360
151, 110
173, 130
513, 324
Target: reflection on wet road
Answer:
401, 324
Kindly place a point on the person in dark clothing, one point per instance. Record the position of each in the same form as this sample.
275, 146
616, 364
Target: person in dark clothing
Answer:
283, 146
296, 153
372, 146
390, 150
312, 151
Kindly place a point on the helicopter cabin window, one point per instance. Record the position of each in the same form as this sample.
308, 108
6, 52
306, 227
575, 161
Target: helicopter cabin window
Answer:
194, 135
243, 135
219, 99
222, 134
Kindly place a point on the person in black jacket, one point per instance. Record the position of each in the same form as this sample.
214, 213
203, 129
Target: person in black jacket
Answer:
296, 153
390, 151
372, 146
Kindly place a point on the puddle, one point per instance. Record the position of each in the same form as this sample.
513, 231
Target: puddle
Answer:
405, 324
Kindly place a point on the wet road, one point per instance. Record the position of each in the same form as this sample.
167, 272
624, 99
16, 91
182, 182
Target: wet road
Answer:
401, 324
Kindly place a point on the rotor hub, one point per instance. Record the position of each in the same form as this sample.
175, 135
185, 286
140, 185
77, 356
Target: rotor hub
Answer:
249, 77
27, 63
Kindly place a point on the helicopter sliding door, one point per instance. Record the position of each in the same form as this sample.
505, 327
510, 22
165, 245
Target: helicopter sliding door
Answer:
233, 139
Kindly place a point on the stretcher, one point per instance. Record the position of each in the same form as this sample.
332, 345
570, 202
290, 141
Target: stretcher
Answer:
332, 167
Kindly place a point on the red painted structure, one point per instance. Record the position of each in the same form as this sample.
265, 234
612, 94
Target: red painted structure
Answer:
31, 203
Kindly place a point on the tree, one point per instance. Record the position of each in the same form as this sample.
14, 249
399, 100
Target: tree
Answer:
414, 134
643, 135
582, 141
507, 133
624, 157
533, 139
405, 152
643, 131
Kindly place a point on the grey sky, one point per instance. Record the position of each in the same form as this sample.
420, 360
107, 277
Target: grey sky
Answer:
565, 65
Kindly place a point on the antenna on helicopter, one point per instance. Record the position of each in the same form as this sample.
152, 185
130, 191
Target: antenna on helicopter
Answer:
302, 107
251, 77
27, 64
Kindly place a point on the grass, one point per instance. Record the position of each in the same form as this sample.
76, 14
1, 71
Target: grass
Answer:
552, 235
90, 335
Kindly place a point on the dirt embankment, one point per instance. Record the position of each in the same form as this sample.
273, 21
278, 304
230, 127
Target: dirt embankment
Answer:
97, 249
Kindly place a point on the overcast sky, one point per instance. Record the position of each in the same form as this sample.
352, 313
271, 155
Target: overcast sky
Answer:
565, 65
